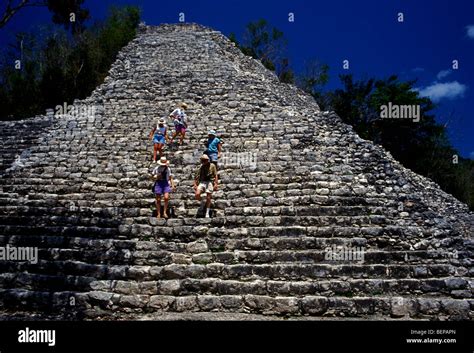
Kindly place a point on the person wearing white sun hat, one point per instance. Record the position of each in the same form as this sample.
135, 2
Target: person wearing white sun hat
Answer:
164, 184
160, 137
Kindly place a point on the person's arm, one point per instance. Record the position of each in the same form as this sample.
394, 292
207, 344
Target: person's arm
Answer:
196, 177
174, 113
219, 147
173, 186
214, 171
170, 179
153, 175
166, 135
152, 133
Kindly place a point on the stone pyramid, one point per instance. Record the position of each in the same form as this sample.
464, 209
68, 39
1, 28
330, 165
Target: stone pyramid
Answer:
311, 220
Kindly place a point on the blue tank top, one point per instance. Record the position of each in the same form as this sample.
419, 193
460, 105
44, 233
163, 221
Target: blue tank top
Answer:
160, 131
212, 145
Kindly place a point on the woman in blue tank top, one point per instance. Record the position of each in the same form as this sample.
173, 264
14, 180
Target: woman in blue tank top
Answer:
160, 137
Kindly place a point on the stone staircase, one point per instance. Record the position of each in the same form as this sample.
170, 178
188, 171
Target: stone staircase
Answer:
81, 193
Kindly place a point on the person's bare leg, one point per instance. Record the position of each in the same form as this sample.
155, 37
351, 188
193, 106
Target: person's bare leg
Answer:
160, 149
208, 204
155, 149
165, 207
173, 136
158, 206
183, 133
198, 194
208, 200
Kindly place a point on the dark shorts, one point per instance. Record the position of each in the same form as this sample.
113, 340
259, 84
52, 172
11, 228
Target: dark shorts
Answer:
180, 129
162, 188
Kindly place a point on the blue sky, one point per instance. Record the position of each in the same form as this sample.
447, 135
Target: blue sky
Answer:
365, 32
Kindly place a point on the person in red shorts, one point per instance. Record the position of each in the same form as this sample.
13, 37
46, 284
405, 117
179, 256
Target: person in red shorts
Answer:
180, 122
159, 135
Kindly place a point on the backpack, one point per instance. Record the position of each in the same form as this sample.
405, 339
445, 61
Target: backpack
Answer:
160, 177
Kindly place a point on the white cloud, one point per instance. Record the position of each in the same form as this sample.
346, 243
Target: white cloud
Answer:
438, 91
470, 31
418, 69
471, 155
443, 73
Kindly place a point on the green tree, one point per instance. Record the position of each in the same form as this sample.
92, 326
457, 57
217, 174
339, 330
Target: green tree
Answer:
267, 44
61, 10
422, 146
19, 76
285, 73
57, 67
314, 77
9, 8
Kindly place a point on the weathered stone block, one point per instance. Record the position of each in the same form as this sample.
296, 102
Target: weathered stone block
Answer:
314, 305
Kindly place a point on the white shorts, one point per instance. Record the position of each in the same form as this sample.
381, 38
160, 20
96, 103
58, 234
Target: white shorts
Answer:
207, 187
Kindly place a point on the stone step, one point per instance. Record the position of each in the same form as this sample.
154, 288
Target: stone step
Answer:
222, 199
257, 239
285, 220
35, 220
191, 229
40, 282
436, 287
357, 255
242, 272
110, 215
230, 250
102, 304
90, 231
230, 220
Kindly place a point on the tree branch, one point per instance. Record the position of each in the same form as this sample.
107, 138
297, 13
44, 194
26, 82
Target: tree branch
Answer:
11, 10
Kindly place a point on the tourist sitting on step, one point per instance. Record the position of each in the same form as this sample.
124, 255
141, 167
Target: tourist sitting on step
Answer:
213, 147
163, 180
160, 137
180, 122
205, 180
